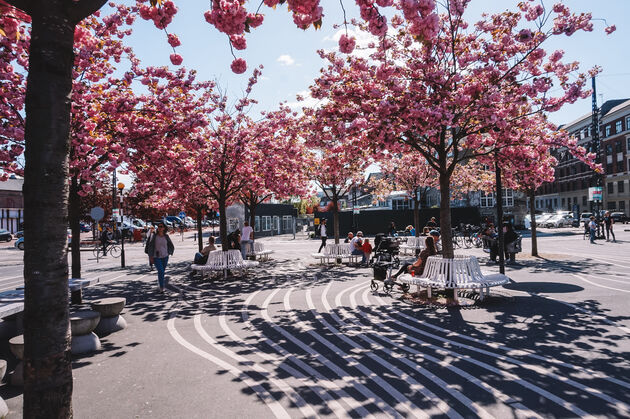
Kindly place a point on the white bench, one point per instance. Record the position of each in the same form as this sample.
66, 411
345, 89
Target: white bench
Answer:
334, 251
218, 261
258, 250
413, 243
461, 272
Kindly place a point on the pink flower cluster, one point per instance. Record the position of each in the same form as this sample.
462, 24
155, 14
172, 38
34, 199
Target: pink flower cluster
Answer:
239, 66
238, 41
173, 40
176, 59
227, 16
305, 12
346, 44
422, 17
161, 16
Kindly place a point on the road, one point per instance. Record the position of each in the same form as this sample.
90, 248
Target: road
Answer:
294, 339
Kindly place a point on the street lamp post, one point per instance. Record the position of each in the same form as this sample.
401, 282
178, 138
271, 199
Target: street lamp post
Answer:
121, 187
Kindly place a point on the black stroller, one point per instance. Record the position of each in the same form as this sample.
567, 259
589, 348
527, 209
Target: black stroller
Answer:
385, 259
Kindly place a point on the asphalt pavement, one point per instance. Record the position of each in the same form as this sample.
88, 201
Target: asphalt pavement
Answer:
297, 339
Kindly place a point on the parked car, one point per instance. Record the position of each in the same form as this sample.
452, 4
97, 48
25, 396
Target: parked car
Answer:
541, 219
20, 243
5, 235
19, 234
190, 223
85, 227
174, 220
620, 217
559, 220
585, 216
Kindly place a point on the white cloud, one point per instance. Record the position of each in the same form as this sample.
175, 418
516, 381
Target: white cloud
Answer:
307, 101
286, 60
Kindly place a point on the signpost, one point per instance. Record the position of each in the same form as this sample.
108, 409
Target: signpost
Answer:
595, 193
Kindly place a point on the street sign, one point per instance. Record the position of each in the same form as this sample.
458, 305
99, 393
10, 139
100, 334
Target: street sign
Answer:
595, 194
116, 213
182, 214
97, 213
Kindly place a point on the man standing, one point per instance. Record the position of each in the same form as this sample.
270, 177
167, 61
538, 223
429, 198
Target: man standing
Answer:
592, 225
247, 239
608, 222
322, 233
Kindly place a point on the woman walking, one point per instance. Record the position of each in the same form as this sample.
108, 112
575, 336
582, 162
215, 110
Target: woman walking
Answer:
608, 222
160, 247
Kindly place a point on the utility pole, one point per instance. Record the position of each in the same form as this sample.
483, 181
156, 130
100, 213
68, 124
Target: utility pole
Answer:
598, 178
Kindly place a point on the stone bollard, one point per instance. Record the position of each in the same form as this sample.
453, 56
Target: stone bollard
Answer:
82, 324
17, 348
111, 320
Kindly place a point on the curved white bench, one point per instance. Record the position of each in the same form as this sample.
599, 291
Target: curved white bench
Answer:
258, 250
334, 251
461, 272
413, 243
218, 261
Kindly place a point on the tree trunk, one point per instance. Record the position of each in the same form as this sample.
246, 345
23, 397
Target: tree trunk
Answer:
499, 203
416, 215
74, 214
47, 360
336, 219
532, 215
252, 216
223, 224
199, 230
445, 216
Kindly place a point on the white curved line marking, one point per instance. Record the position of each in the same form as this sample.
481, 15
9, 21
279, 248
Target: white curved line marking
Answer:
267, 398
538, 369
345, 376
304, 407
599, 285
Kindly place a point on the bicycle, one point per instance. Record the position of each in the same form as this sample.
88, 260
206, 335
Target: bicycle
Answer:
112, 248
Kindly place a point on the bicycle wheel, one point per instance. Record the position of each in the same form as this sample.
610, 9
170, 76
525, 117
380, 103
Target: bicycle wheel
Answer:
456, 242
477, 242
97, 252
468, 242
114, 251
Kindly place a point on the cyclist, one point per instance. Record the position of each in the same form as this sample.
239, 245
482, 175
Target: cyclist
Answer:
106, 239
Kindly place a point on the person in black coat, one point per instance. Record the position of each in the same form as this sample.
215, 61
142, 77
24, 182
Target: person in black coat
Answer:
509, 238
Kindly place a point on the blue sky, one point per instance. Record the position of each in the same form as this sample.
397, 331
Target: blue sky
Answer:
290, 62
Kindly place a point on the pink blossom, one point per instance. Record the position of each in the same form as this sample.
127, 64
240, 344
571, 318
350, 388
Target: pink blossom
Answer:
173, 40
238, 41
610, 29
346, 44
176, 59
239, 66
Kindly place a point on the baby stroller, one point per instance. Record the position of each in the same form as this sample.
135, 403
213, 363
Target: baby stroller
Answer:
384, 260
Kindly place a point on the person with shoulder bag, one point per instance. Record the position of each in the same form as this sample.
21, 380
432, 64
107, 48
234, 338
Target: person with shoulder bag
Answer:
160, 247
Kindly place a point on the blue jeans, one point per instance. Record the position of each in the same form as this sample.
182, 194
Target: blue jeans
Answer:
160, 265
359, 253
592, 232
245, 246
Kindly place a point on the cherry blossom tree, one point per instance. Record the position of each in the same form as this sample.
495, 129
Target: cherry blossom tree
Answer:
278, 161
457, 96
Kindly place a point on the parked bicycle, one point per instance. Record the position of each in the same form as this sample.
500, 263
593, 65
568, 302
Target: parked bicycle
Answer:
111, 248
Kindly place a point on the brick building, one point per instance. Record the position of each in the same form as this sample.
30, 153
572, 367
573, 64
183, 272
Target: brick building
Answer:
569, 191
11, 204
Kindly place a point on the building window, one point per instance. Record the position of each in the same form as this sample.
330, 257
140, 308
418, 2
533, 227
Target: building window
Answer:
622, 206
275, 223
618, 147
628, 144
609, 168
609, 149
287, 223
627, 122
620, 167
618, 127
256, 224
611, 186
607, 134
620, 186
562, 202
266, 223
612, 205
487, 200
400, 204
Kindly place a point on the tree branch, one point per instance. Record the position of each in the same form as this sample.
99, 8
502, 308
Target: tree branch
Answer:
80, 9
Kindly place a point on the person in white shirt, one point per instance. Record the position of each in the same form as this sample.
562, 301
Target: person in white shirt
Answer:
322, 233
247, 239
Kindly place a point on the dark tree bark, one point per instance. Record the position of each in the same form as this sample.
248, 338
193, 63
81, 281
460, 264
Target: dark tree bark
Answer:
445, 216
199, 210
223, 223
532, 215
416, 213
47, 361
336, 217
74, 213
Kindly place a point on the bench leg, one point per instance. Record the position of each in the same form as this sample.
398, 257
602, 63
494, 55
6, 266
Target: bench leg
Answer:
455, 295
429, 292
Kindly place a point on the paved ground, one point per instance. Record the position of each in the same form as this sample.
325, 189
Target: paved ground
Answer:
296, 339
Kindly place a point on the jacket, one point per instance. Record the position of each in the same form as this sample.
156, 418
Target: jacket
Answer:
149, 249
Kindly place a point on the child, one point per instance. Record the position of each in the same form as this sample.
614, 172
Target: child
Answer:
367, 250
